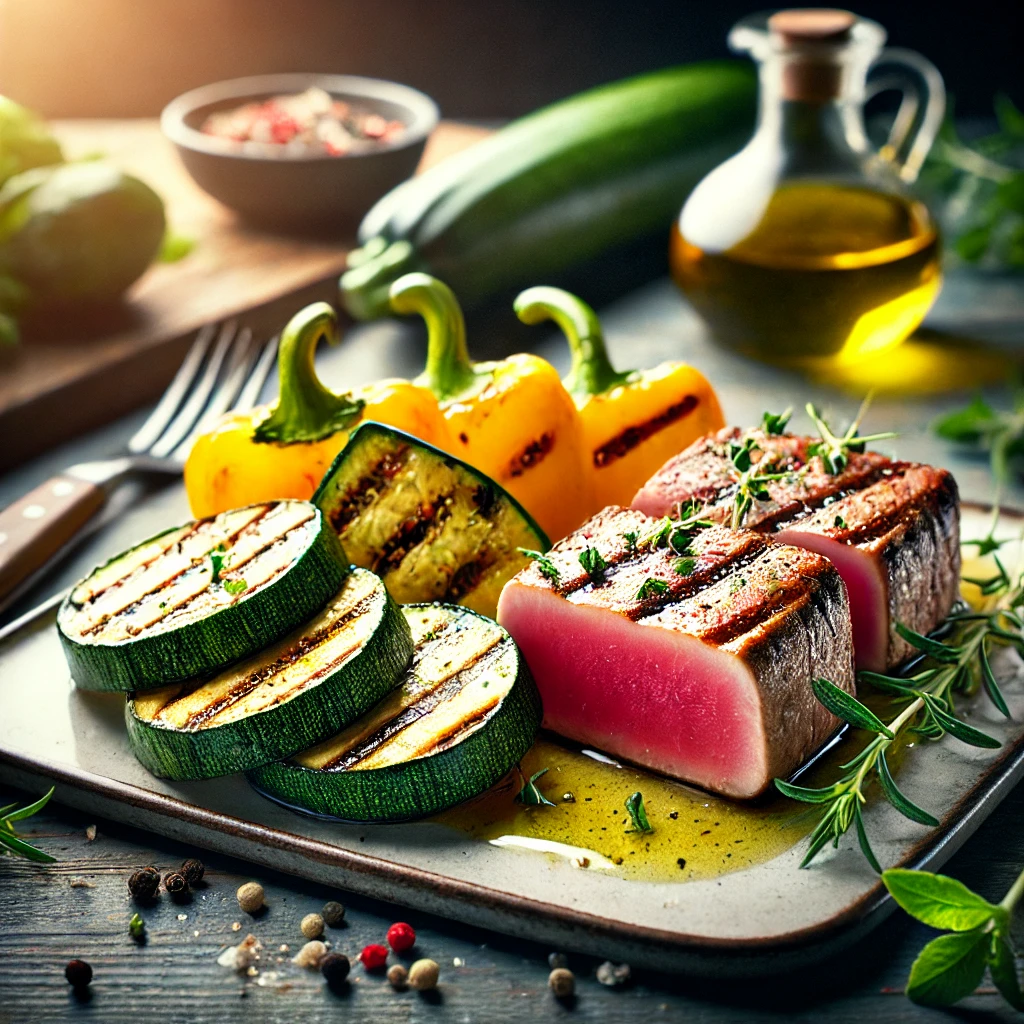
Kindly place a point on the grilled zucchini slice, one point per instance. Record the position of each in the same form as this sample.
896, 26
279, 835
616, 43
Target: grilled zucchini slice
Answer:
465, 713
433, 527
297, 692
198, 597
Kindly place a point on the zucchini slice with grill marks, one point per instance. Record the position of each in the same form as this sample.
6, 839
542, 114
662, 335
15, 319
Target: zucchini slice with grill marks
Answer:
432, 526
197, 597
297, 692
465, 713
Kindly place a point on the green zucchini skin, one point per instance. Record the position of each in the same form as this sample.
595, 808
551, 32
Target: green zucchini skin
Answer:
557, 188
421, 786
198, 648
316, 713
440, 566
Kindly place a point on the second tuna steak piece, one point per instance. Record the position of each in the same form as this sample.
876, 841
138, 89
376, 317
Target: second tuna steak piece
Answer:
892, 529
692, 655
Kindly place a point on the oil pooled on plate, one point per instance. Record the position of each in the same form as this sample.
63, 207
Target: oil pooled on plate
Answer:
696, 834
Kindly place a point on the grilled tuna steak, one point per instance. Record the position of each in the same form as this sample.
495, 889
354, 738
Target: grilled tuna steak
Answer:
694, 657
892, 529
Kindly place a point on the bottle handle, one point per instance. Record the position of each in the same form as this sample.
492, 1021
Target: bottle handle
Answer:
921, 110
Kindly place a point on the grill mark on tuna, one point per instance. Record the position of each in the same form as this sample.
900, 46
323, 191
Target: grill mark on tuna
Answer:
624, 442
194, 566
532, 454
367, 489
448, 687
306, 644
412, 532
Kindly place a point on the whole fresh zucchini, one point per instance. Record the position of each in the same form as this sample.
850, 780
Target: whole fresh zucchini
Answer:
433, 527
200, 596
466, 711
556, 188
299, 691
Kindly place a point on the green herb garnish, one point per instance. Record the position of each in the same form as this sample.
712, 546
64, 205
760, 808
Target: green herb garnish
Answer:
630, 537
839, 523
977, 936
638, 814
685, 566
530, 795
137, 927
217, 561
238, 586
1001, 434
593, 564
736, 585
651, 588
949, 669
9, 839
835, 451
548, 569
775, 423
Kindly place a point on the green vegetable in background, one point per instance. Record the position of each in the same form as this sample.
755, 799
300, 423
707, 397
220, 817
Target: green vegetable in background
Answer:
76, 233
999, 433
977, 936
977, 189
25, 141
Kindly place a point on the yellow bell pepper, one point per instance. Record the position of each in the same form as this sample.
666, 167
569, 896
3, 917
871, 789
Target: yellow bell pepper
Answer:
511, 419
283, 450
633, 420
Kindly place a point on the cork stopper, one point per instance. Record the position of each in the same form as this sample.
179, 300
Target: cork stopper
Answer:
812, 37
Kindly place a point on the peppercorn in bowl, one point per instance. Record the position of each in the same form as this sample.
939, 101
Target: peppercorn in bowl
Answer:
300, 151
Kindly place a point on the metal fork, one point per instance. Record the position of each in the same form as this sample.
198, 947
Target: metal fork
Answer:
225, 370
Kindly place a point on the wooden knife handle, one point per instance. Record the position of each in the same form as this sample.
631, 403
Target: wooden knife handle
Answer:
36, 527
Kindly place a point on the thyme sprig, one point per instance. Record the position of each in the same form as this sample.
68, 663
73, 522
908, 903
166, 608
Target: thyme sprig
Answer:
835, 450
9, 839
949, 668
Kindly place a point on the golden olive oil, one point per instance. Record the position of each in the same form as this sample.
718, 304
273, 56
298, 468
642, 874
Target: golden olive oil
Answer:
828, 271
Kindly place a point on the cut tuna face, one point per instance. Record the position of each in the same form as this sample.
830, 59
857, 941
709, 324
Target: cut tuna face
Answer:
695, 664
892, 529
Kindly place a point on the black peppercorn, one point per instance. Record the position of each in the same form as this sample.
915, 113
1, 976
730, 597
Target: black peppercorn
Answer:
143, 884
78, 973
333, 914
193, 870
174, 883
335, 967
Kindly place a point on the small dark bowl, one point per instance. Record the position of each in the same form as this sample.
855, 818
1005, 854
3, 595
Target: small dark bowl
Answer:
299, 191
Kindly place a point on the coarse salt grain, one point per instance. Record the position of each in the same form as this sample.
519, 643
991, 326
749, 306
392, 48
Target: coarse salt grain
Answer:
311, 954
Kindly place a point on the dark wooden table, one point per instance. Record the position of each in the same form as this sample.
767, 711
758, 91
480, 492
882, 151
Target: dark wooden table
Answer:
79, 906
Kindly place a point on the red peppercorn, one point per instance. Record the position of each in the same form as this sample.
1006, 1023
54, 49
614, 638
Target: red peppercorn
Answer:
374, 956
401, 937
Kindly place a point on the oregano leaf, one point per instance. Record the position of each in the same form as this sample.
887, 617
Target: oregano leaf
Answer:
938, 900
948, 968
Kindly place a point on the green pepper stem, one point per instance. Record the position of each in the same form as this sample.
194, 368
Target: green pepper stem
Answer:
591, 372
305, 409
372, 269
449, 370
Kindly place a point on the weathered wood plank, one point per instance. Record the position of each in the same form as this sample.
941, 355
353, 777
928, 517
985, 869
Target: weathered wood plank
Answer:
80, 907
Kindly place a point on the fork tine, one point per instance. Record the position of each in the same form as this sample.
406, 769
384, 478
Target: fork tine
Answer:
254, 385
196, 401
239, 365
144, 438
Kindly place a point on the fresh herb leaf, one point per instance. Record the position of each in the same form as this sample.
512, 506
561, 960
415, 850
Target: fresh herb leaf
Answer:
938, 900
845, 706
1003, 968
9, 839
238, 586
137, 927
630, 537
638, 814
834, 450
948, 968
530, 795
839, 523
736, 585
896, 797
651, 588
685, 566
593, 564
217, 564
775, 423
547, 568
862, 839
1001, 434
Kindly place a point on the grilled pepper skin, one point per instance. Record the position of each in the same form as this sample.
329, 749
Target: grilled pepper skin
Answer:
283, 450
512, 418
634, 421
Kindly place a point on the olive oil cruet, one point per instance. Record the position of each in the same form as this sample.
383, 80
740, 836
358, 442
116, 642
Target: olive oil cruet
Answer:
808, 245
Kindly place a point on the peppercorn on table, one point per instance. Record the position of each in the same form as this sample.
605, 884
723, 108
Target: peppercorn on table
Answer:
177, 970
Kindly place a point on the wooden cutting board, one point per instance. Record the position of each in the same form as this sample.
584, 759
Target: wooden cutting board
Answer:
88, 373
